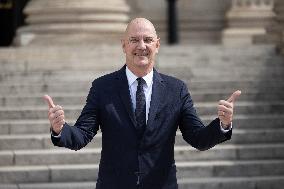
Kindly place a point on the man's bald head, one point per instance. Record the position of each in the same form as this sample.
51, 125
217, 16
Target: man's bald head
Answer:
139, 24
140, 45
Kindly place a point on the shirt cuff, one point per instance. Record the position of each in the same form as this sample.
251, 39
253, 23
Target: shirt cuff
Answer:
222, 129
53, 134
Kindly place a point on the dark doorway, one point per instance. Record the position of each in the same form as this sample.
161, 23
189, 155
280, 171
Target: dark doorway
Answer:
11, 17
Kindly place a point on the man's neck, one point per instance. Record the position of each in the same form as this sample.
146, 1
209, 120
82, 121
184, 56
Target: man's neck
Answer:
140, 72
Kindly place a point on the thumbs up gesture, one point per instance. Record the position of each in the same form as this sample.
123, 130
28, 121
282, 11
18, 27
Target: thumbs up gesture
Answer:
55, 115
226, 109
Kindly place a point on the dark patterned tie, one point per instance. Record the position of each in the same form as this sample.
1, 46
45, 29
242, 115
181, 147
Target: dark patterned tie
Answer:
140, 111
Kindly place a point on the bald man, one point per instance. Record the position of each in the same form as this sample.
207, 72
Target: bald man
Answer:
139, 111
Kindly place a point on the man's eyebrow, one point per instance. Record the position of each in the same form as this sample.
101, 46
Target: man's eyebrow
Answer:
133, 37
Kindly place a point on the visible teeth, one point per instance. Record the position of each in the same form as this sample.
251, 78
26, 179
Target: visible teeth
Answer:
143, 54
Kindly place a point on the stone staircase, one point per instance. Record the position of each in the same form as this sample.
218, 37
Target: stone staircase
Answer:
252, 159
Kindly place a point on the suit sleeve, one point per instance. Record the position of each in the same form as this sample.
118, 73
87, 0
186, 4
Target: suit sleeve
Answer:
86, 127
193, 130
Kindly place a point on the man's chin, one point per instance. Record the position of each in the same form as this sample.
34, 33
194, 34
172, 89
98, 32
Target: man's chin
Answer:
142, 63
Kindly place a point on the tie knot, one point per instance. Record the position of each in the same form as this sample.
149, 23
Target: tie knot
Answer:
140, 81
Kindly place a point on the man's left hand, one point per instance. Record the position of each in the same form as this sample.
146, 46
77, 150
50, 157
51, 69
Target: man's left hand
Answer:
226, 109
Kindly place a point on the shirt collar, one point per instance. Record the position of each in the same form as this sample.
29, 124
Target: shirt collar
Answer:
131, 77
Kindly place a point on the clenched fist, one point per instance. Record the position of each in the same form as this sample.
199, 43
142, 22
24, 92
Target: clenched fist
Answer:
55, 115
226, 109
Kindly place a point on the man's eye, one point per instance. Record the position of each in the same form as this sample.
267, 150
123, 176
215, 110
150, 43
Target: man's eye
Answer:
148, 40
134, 40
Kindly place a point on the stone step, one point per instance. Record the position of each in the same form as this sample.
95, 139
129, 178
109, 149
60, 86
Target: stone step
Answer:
264, 182
51, 76
212, 60
207, 96
242, 107
83, 86
25, 126
88, 172
226, 85
41, 126
48, 58
44, 88
251, 72
164, 63
230, 168
59, 156
42, 141
249, 136
79, 98
205, 76
211, 56
227, 72
218, 50
37, 100
254, 64
207, 108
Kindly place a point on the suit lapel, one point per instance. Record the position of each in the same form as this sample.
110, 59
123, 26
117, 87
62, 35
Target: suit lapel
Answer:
157, 98
124, 93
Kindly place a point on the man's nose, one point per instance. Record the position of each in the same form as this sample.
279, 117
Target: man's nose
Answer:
141, 44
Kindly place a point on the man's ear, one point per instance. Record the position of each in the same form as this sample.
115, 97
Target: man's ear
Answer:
123, 45
158, 45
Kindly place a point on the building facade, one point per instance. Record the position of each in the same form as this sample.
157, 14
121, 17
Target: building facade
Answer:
231, 22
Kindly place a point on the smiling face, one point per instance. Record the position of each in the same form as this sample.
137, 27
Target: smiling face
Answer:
140, 45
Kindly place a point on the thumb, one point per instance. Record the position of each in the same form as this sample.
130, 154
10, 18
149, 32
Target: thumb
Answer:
234, 96
49, 101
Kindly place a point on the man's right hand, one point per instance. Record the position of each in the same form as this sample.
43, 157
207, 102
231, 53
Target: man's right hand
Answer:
55, 115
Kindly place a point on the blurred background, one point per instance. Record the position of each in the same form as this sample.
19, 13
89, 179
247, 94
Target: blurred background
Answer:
58, 47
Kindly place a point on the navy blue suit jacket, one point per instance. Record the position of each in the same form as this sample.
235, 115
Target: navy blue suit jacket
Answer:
109, 108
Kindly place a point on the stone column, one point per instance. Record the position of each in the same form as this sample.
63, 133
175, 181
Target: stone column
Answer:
73, 22
247, 22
